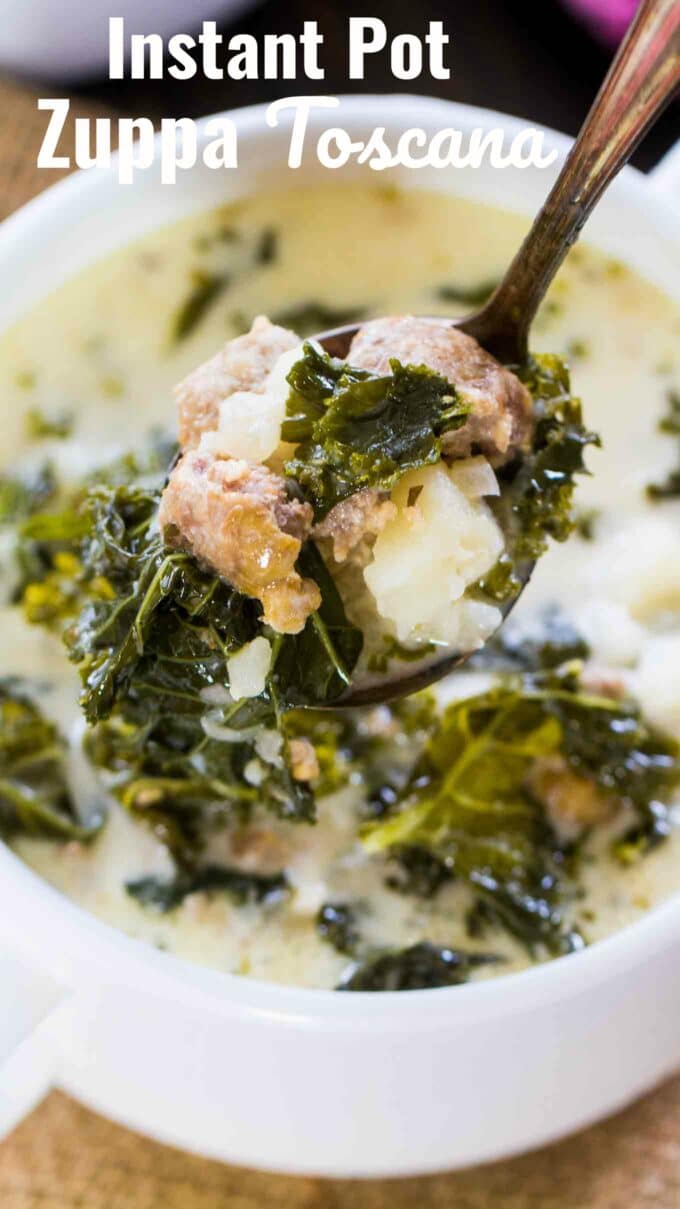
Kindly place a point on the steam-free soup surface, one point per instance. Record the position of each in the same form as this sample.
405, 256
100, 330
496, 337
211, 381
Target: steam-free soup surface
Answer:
108, 348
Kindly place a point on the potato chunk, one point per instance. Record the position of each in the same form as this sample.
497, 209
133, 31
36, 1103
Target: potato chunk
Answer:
439, 542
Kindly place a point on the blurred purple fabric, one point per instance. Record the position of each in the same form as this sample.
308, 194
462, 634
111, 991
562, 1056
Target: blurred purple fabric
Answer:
607, 19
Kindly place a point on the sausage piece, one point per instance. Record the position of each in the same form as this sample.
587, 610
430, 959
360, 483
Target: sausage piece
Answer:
243, 364
237, 518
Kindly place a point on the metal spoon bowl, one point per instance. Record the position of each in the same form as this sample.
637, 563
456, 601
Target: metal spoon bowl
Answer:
641, 81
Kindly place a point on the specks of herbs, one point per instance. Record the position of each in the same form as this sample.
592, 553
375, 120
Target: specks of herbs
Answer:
354, 429
669, 488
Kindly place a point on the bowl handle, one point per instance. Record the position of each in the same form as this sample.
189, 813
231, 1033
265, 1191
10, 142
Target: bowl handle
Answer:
32, 1010
665, 177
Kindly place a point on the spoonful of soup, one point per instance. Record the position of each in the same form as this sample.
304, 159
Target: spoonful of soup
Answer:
380, 493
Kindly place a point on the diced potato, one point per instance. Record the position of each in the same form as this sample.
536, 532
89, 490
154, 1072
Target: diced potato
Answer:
248, 669
249, 421
439, 543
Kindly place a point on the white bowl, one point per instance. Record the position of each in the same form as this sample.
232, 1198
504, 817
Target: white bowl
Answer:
312, 1081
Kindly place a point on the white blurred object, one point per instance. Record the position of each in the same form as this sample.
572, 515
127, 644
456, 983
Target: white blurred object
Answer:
71, 41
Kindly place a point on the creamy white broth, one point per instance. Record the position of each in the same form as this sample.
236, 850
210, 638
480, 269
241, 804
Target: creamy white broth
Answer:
101, 347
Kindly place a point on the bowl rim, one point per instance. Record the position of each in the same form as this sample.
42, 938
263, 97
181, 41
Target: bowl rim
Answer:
88, 952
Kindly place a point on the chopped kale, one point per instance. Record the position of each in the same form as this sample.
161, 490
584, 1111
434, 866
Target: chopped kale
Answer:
467, 295
468, 799
40, 426
34, 793
313, 667
670, 423
537, 489
669, 488
418, 872
555, 643
543, 487
416, 968
267, 246
356, 429
585, 522
336, 923
310, 318
206, 288
151, 634
166, 895
21, 496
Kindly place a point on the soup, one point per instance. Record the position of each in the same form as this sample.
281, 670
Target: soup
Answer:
93, 368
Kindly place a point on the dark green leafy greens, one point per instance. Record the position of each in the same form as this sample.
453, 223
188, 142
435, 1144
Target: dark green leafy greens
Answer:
34, 794
537, 490
206, 288
166, 895
310, 317
151, 634
669, 488
354, 429
336, 923
20, 496
40, 426
467, 295
419, 967
469, 800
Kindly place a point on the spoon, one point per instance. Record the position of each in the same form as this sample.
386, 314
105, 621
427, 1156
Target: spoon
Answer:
639, 84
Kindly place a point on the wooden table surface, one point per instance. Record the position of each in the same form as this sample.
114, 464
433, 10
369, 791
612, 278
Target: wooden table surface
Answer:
64, 1157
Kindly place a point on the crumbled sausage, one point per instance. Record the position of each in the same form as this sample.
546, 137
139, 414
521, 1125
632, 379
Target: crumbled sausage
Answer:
500, 422
304, 764
243, 364
363, 515
572, 802
258, 849
236, 517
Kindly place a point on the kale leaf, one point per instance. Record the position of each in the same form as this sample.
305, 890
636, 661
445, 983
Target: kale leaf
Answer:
21, 496
40, 426
165, 895
336, 923
206, 288
419, 872
543, 487
151, 633
467, 295
416, 968
34, 793
355, 429
310, 317
537, 489
315, 666
468, 800
669, 488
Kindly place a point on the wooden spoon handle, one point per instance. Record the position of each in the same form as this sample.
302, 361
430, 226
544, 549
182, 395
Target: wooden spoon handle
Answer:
640, 82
